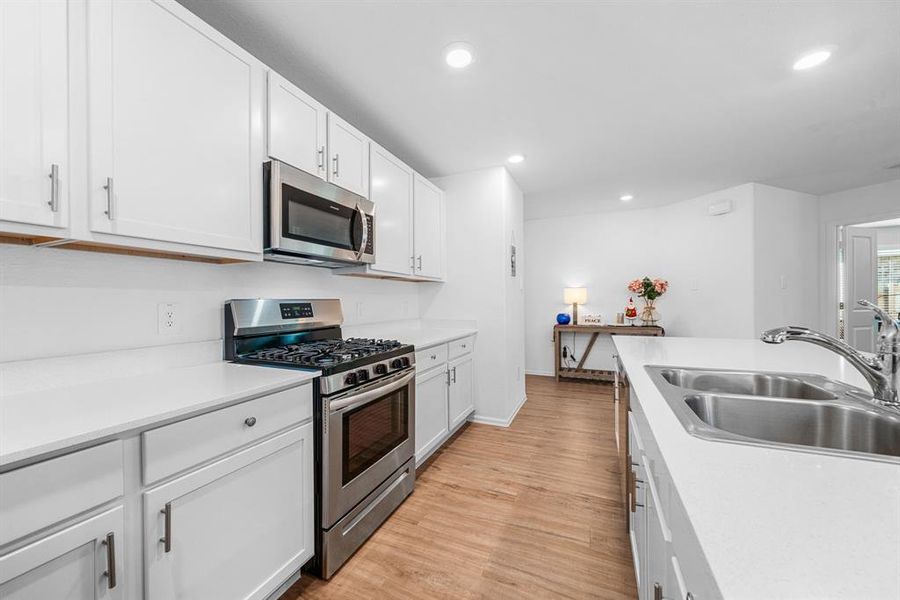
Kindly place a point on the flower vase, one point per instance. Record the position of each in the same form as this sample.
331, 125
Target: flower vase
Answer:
649, 315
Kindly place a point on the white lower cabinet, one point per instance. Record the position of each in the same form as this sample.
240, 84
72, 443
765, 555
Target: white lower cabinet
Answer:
445, 392
462, 390
431, 412
81, 562
236, 528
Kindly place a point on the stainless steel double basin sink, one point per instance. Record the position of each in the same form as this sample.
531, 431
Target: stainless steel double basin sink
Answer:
780, 410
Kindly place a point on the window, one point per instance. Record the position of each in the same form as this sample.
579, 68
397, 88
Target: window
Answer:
889, 282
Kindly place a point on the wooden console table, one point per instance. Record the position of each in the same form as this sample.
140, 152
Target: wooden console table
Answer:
580, 372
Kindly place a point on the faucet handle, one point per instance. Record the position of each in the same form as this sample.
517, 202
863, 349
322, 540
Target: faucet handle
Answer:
890, 328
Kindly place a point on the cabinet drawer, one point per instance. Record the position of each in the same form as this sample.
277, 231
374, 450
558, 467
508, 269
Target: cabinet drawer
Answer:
460, 347
174, 448
431, 357
48, 492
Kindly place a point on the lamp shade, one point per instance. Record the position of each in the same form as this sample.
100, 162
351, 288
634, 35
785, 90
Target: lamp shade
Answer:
575, 295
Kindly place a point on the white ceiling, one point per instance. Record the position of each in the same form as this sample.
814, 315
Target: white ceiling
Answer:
663, 100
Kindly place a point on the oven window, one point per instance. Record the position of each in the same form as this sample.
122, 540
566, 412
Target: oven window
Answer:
373, 431
316, 220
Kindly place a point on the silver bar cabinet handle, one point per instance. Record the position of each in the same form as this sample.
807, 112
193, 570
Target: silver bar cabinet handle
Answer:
454, 374
110, 198
167, 526
420, 262
54, 188
321, 158
110, 572
657, 592
337, 165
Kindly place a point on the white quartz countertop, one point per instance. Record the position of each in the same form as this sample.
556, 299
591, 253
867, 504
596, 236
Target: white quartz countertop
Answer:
774, 523
42, 422
419, 334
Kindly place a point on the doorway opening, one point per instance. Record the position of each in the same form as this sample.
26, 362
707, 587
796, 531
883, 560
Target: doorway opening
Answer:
869, 268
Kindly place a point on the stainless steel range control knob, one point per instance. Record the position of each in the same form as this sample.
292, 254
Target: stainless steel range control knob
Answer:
380, 369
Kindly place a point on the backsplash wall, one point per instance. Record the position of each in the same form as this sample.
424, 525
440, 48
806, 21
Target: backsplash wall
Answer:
56, 302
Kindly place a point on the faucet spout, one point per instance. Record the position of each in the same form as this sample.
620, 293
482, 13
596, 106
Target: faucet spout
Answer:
881, 371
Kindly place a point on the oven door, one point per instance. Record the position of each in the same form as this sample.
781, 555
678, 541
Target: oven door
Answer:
314, 218
367, 435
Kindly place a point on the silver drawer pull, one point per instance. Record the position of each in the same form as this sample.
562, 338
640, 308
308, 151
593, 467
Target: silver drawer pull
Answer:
110, 572
110, 199
54, 188
250, 421
167, 527
464, 346
434, 357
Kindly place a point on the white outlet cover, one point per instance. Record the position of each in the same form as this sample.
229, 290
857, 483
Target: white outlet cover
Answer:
167, 319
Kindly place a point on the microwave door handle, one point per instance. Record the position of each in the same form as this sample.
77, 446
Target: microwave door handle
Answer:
365, 231
357, 400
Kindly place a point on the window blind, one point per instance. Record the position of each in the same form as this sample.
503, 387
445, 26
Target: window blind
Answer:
889, 283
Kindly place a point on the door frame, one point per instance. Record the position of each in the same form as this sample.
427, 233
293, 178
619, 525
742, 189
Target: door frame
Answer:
828, 273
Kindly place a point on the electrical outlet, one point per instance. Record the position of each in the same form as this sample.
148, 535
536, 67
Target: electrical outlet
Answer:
167, 318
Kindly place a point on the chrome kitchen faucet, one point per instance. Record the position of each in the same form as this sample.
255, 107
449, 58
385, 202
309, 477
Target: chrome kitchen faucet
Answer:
881, 371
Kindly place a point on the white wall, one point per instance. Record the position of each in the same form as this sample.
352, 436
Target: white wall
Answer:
707, 260
859, 205
484, 208
57, 302
786, 258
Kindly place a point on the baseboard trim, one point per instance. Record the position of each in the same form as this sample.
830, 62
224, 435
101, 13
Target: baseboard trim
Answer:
476, 418
538, 372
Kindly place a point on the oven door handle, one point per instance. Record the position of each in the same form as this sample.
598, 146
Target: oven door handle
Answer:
366, 397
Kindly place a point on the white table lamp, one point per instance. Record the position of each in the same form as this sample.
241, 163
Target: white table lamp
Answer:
575, 296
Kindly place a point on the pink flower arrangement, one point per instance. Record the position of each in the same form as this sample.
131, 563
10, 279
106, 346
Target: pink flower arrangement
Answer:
651, 289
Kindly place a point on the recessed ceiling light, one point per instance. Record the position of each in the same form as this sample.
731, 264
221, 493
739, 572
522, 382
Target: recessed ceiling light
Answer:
626, 198
459, 55
515, 159
812, 59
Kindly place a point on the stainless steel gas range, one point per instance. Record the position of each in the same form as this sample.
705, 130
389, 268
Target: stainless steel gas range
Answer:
364, 410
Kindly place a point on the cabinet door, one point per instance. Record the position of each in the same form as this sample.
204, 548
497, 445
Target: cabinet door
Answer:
391, 191
431, 412
74, 563
176, 118
33, 112
656, 552
234, 529
428, 203
296, 127
462, 390
348, 156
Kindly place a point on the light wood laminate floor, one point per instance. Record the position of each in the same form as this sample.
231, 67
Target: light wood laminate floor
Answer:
529, 511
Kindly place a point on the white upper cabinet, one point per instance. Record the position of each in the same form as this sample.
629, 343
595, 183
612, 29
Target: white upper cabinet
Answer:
348, 156
392, 193
296, 126
428, 228
34, 61
176, 139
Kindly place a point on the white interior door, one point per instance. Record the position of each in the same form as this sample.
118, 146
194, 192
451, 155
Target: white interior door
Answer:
391, 191
176, 114
296, 127
428, 209
33, 112
860, 269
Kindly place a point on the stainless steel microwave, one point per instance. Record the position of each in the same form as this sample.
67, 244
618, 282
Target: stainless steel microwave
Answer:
313, 222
